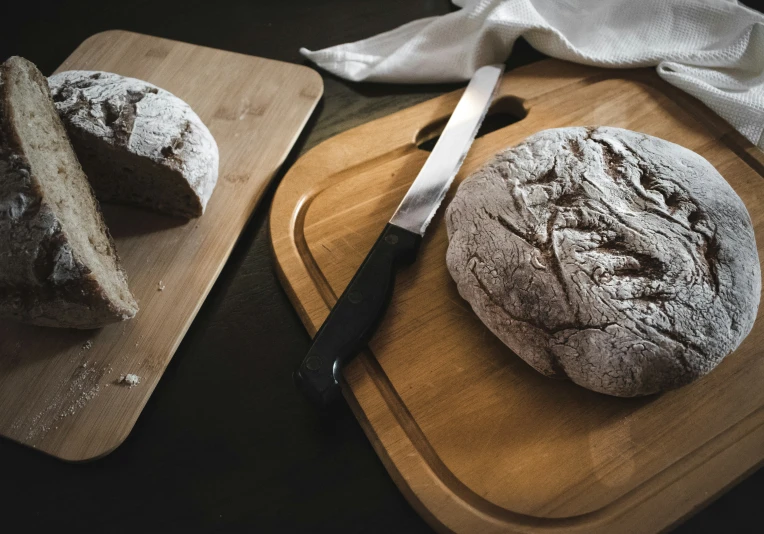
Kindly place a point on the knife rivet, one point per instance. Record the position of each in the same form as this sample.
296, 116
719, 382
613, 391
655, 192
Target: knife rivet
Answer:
313, 363
355, 296
391, 239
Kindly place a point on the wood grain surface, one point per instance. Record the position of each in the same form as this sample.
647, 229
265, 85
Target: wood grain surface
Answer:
60, 390
475, 439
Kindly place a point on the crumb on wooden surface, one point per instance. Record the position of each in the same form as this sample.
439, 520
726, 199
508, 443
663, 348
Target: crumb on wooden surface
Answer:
129, 380
87, 345
160, 286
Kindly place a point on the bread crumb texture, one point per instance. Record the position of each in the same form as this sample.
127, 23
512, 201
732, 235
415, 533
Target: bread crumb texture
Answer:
58, 264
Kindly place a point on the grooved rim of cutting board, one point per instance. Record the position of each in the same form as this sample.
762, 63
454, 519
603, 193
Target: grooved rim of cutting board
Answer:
59, 390
435, 492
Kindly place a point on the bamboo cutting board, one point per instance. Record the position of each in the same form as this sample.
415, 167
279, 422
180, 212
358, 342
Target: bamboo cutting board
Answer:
59, 389
475, 439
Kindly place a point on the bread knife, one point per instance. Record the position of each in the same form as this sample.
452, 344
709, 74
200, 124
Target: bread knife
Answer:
359, 310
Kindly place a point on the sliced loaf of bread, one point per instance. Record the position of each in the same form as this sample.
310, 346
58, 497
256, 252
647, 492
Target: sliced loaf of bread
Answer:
58, 264
137, 143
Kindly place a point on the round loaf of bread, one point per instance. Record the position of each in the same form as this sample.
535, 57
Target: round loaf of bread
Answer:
616, 259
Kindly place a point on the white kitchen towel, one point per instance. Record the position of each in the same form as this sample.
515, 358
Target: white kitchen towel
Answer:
712, 49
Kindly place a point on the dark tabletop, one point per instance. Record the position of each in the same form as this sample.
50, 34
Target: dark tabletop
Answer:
225, 443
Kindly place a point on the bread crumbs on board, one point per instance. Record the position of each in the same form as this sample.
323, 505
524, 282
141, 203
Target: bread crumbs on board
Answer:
129, 380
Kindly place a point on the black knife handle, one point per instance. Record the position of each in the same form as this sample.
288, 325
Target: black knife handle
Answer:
356, 314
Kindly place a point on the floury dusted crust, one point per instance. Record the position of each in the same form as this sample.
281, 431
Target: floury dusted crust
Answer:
616, 259
137, 143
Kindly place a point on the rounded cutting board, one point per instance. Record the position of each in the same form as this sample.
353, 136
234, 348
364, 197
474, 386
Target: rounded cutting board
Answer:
59, 389
475, 439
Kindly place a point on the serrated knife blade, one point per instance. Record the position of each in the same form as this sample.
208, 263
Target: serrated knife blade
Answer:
360, 308
425, 195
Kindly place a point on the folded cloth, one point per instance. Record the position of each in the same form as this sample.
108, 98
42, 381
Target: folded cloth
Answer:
712, 49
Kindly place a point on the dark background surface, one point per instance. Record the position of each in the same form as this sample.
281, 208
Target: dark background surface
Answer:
252, 456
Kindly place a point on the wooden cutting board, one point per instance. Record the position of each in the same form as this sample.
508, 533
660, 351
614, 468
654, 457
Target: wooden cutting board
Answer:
59, 390
476, 439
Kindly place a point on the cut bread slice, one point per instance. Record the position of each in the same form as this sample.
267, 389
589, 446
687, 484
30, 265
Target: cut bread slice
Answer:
137, 143
58, 264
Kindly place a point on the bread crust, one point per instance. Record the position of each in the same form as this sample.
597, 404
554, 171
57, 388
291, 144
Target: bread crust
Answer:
138, 143
616, 259
42, 280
